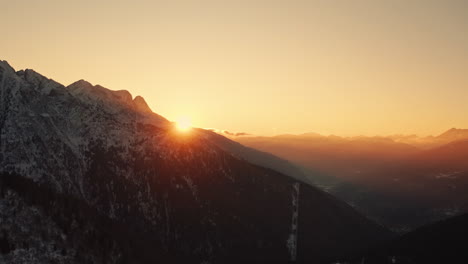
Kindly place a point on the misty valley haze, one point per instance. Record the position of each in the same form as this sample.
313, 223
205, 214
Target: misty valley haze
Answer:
400, 181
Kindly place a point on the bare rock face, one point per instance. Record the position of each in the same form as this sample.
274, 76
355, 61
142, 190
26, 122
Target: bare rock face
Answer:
141, 105
195, 196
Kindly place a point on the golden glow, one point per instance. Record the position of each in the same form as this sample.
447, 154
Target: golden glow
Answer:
183, 124
259, 66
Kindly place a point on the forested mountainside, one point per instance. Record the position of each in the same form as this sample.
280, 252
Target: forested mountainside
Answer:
101, 162
441, 242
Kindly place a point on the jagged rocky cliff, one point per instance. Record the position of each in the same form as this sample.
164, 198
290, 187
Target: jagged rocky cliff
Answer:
196, 196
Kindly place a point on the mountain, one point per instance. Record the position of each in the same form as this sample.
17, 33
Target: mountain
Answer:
400, 185
261, 158
450, 156
428, 186
453, 134
339, 157
93, 175
441, 242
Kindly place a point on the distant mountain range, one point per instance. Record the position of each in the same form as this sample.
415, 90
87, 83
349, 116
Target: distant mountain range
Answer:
400, 181
90, 175
451, 135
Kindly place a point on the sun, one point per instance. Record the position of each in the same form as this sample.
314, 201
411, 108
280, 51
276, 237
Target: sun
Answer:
183, 123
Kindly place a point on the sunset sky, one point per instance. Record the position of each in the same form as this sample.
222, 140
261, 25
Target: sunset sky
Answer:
263, 67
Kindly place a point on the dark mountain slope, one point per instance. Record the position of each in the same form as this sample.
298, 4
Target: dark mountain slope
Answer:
42, 226
394, 183
442, 242
192, 196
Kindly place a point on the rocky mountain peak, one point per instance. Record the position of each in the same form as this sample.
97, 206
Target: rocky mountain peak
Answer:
80, 85
141, 105
200, 197
4, 65
123, 95
88, 92
38, 81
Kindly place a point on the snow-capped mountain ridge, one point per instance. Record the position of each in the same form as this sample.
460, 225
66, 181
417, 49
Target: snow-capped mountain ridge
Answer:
112, 100
196, 195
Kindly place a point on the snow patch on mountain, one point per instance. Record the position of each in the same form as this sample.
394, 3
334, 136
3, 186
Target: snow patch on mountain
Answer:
292, 239
195, 195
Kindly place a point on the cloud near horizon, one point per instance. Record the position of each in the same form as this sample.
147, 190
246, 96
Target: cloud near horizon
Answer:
225, 132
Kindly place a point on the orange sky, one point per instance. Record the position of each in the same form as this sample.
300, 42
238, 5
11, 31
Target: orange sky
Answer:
258, 66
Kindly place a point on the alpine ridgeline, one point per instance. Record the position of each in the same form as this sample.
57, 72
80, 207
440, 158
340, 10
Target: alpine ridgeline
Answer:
93, 175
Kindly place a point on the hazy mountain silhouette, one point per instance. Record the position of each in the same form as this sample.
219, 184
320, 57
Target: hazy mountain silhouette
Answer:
400, 181
453, 134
